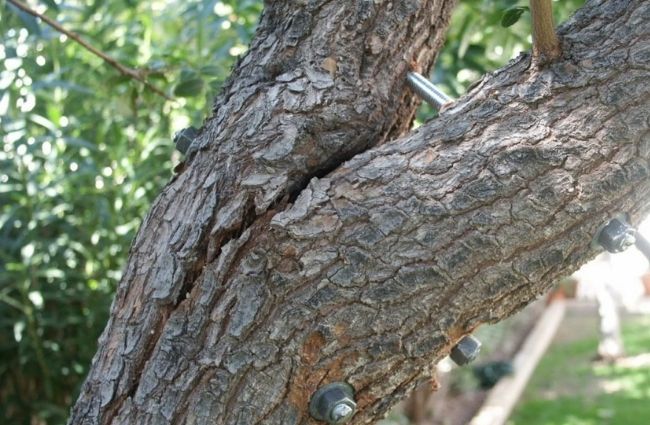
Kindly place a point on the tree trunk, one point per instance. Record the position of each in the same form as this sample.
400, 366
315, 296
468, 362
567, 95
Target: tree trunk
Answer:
303, 242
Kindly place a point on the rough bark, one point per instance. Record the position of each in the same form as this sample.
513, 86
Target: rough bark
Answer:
270, 266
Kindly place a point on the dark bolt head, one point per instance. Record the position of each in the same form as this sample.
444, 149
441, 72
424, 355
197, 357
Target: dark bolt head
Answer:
616, 236
183, 139
334, 403
466, 350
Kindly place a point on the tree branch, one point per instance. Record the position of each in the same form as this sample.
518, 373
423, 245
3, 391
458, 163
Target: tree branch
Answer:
311, 91
546, 46
124, 70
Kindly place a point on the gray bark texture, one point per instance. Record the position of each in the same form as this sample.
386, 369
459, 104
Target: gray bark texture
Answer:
308, 238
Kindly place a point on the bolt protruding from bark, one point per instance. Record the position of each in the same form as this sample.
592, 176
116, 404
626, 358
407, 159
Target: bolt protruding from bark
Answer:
616, 236
427, 90
466, 350
334, 403
184, 138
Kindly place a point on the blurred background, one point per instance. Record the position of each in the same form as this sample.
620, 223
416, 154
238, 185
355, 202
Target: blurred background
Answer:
85, 150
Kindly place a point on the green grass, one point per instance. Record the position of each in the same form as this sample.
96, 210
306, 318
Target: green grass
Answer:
567, 388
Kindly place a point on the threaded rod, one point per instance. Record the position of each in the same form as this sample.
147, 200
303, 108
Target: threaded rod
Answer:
427, 90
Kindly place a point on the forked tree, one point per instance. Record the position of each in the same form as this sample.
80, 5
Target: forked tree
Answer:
311, 237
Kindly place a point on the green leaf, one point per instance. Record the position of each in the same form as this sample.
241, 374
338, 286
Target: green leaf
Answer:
212, 70
189, 88
188, 74
511, 16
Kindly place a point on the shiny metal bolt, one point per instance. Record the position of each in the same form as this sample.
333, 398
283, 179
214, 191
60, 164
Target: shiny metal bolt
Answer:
428, 91
616, 236
341, 413
334, 403
466, 350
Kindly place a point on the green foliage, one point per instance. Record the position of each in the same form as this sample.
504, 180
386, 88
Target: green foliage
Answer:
86, 149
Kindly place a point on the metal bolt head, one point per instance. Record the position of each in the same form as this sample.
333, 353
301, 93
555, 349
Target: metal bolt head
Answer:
616, 236
466, 350
184, 138
334, 403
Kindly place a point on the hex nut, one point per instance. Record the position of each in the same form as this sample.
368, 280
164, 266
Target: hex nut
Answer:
184, 138
466, 350
334, 403
616, 236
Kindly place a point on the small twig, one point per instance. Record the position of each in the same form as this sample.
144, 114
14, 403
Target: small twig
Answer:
124, 70
546, 46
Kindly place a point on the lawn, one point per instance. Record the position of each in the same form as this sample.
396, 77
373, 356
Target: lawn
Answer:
568, 388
